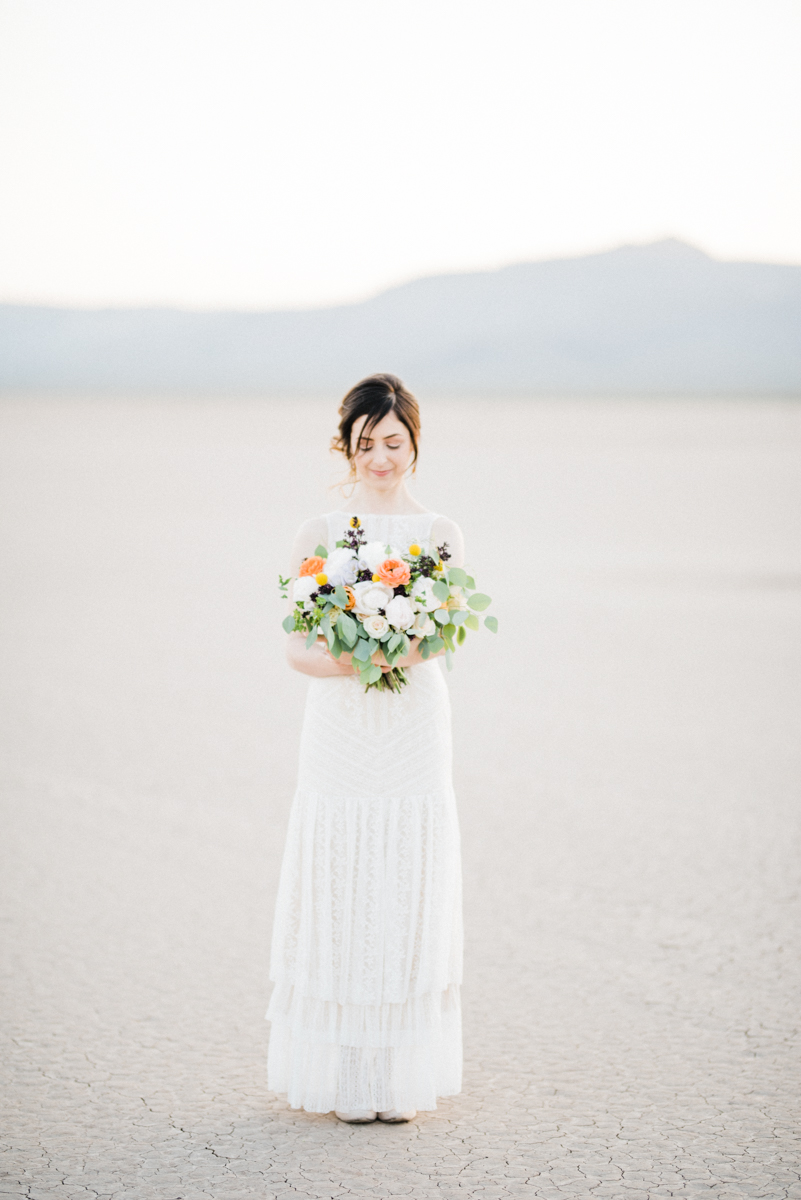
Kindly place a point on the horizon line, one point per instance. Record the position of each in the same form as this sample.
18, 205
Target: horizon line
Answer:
178, 306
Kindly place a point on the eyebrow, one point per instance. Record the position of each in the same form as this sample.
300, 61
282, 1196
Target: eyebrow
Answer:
368, 437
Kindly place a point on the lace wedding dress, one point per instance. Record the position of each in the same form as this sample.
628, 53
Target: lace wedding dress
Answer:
367, 943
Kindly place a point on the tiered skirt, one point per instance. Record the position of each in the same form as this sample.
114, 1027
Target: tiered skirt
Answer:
367, 943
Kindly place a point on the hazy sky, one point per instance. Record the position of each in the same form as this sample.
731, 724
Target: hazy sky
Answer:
262, 153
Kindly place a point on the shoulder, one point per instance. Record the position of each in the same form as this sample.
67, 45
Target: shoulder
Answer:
443, 530
312, 533
316, 528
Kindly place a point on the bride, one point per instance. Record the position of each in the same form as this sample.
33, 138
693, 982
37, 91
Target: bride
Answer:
367, 941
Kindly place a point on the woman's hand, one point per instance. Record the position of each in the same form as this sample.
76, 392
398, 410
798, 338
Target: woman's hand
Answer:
317, 660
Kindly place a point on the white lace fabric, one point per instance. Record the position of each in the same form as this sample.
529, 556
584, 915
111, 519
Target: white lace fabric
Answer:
367, 941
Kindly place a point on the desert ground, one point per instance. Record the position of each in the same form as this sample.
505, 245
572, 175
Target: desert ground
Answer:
627, 767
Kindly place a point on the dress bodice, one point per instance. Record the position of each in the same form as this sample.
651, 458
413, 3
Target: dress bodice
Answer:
398, 530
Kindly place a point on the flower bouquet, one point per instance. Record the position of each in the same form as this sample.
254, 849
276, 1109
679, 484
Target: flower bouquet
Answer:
364, 597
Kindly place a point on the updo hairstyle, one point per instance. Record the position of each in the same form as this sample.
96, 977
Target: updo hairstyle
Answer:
374, 398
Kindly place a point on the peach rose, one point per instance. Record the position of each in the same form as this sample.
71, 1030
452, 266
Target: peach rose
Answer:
394, 572
349, 592
312, 566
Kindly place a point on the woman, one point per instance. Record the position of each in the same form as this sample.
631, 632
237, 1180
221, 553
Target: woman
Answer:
367, 942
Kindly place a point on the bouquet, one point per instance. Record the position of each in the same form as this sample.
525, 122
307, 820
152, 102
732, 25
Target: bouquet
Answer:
364, 597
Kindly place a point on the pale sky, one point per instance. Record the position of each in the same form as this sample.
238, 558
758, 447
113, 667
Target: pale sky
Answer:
271, 153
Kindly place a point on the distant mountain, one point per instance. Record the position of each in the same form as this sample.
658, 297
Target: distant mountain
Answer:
664, 318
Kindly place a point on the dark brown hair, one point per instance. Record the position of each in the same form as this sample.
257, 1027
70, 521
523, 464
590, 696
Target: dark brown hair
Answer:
374, 398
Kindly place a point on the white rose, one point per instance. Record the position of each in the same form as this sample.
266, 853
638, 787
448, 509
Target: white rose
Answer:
423, 595
371, 596
303, 589
376, 625
341, 566
400, 613
423, 625
373, 554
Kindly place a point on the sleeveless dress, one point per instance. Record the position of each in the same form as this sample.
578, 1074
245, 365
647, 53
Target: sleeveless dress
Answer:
367, 941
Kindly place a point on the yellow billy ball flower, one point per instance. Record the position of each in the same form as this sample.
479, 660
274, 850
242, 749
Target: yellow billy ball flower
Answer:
354, 522
414, 549
376, 579
321, 579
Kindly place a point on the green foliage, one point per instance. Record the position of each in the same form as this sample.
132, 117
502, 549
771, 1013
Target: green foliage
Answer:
336, 646
362, 651
311, 638
425, 649
471, 621
289, 623
458, 616
340, 595
458, 576
471, 583
436, 644
442, 616
479, 601
449, 659
461, 635
322, 551
346, 629
283, 584
491, 624
440, 590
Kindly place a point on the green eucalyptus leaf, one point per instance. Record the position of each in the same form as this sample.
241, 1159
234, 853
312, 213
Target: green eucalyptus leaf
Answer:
458, 616
491, 624
448, 630
436, 644
288, 623
425, 649
336, 647
471, 621
340, 595
362, 651
471, 583
311, 638
346, 629
449, 659
321, 552
442, 616
458, 576
461, 635
479, 601
440, 590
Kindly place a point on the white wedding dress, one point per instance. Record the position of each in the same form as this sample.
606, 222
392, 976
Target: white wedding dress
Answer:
367, 942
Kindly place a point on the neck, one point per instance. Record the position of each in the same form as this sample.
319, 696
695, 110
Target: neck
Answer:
367, 499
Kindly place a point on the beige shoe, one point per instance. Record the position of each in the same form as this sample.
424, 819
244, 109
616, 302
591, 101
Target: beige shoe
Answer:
393, 1117
356, 1118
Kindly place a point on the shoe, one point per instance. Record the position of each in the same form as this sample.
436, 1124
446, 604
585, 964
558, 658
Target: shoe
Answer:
393, 1117
356, 1118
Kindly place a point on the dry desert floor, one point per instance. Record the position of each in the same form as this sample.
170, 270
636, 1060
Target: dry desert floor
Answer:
627, 765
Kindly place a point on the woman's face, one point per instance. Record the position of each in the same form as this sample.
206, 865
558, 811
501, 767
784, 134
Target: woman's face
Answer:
382, 456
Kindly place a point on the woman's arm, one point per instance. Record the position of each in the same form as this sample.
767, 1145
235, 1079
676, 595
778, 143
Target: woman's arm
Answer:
316, 660
442, 531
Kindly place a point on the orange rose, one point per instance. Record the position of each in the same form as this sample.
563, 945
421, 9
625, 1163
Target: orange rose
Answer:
312, 566
349, 592
394, 572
